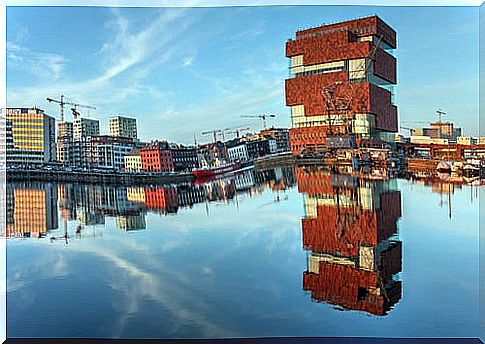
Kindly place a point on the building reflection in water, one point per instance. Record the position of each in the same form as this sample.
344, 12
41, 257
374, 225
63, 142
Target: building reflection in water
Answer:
350, 232
32, 207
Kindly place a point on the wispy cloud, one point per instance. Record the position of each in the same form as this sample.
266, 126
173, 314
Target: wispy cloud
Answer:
252, 32
43, 65
133, 53
125, 60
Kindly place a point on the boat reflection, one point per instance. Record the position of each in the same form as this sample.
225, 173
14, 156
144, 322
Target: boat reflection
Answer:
350, 232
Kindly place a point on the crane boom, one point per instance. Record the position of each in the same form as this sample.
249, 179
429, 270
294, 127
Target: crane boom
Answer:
262, 117
214, 133
61, 103
236, 130
440, 113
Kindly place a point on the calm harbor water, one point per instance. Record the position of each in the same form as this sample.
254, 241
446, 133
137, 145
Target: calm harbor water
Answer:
279, 252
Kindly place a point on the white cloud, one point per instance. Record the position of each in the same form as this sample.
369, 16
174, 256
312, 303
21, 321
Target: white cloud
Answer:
188, 61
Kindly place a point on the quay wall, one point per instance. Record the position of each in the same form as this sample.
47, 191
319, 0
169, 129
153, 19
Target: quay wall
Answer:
99, 177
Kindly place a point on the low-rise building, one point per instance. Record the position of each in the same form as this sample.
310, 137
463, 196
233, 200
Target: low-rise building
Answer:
237, 151
466, 140
157, 157
260, 147
184, 158
281, 136
211, 154
133, 161
428, 140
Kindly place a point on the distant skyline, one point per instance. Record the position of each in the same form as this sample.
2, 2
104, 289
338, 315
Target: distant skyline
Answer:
181, 71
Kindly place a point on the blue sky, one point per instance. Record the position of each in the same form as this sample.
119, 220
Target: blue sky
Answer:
181, 71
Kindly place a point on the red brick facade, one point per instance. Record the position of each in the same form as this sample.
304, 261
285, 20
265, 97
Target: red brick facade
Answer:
342, 42
311, 139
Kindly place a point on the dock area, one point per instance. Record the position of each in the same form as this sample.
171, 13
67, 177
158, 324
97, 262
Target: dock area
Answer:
91, 177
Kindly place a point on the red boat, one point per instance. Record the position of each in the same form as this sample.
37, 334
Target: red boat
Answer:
209, 172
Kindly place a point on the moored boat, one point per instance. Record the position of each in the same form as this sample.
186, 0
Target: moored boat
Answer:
209, 172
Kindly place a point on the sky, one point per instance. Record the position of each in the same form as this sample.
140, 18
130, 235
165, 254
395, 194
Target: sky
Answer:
183, 71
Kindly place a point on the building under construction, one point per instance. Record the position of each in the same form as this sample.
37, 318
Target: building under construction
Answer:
340, 89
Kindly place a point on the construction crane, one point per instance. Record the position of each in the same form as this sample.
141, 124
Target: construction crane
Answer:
61, 103
440, 113
236, 131
214, 133
262, 117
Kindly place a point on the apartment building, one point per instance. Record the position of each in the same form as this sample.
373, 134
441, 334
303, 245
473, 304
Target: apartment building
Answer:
30, 136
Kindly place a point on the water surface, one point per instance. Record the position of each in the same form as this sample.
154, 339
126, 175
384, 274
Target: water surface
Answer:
280, 252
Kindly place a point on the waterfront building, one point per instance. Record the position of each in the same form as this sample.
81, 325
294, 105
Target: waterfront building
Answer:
438, 130
30, 136
133, 161
157, 157
341, 84
184, 158
260, 147
237, 151
109, 152
160, 156
477, 152
280, 135
123, 126
211, 154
